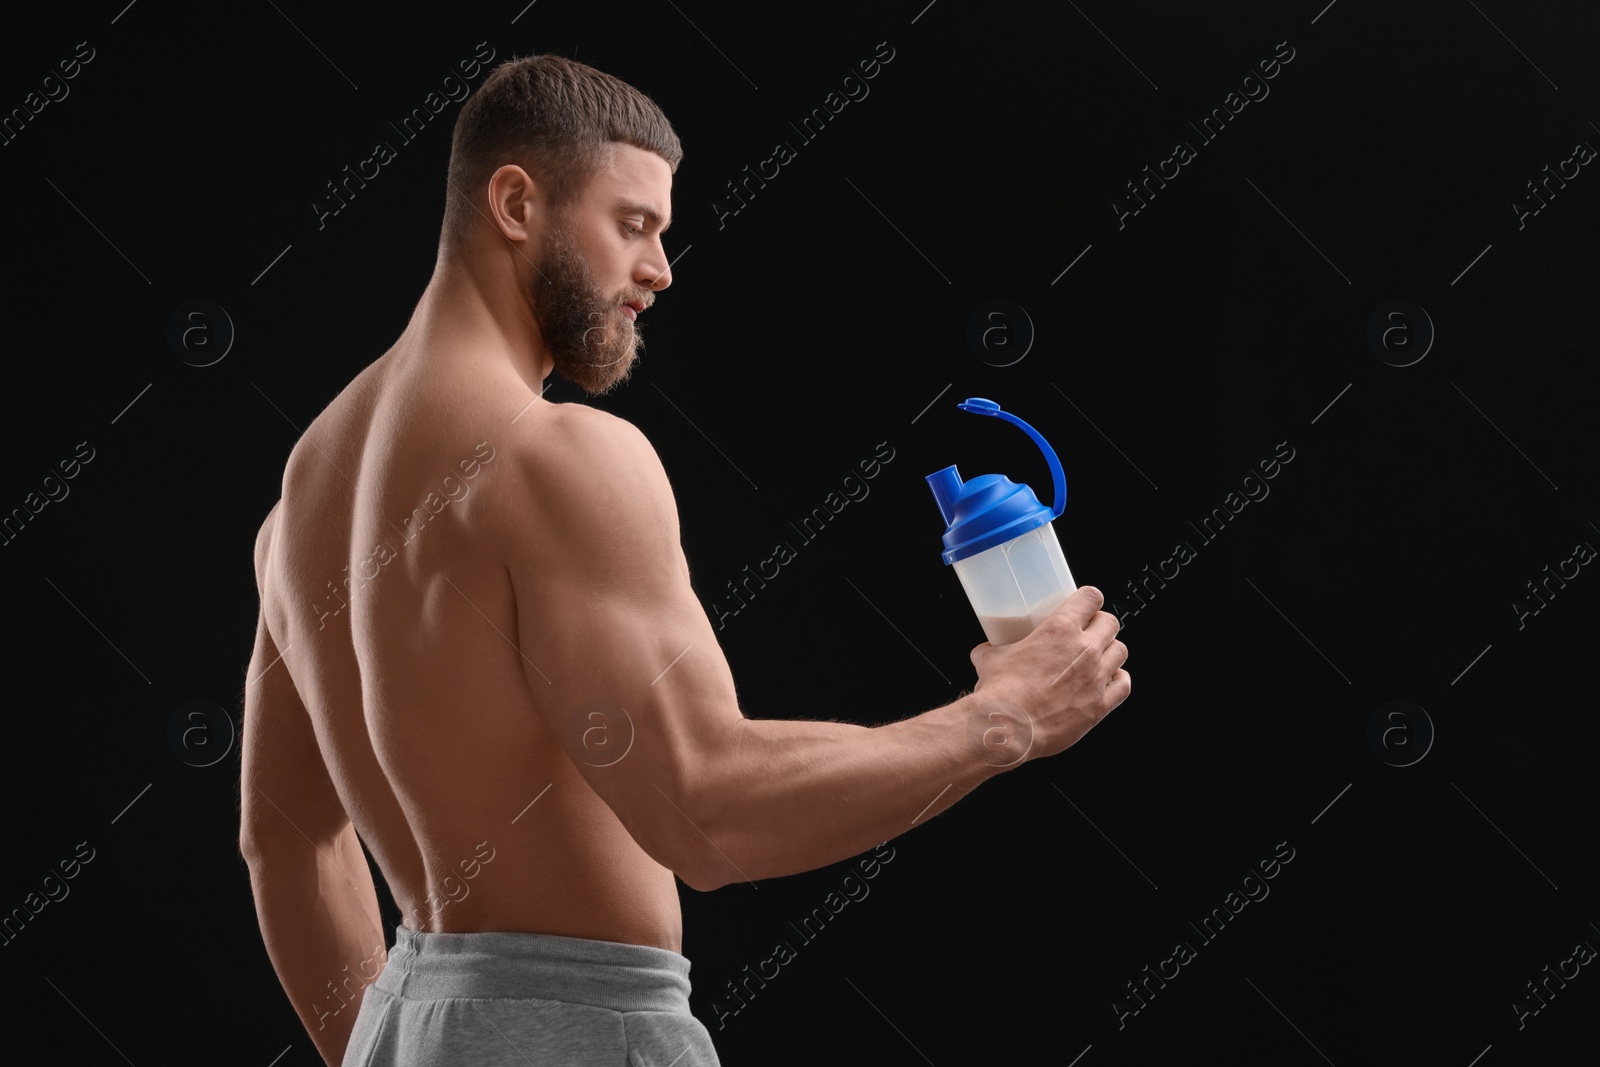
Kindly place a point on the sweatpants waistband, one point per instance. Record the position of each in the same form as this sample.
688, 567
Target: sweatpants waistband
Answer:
512, 964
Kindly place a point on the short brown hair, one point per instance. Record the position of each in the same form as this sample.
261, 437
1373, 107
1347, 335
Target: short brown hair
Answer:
554, 117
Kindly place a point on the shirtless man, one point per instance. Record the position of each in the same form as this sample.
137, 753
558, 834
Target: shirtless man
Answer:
480, 655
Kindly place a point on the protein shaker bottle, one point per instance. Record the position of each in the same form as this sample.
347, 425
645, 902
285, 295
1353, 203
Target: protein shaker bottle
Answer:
1000, 541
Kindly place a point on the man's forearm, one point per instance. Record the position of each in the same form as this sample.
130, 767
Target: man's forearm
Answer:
319, 918
795, 795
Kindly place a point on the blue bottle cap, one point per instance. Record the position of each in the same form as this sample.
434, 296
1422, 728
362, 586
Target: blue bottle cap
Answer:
991, 509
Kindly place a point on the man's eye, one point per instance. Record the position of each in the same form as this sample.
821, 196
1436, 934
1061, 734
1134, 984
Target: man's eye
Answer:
632, 229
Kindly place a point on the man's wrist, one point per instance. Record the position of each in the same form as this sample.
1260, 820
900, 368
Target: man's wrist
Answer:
997, 730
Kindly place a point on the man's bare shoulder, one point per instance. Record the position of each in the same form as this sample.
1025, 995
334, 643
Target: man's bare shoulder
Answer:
582, 440
604, 426
597, 479
338, 427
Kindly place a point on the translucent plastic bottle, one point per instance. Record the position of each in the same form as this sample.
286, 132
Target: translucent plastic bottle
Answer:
1001, 542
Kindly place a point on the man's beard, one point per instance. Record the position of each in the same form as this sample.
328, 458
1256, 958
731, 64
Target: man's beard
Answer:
590, 340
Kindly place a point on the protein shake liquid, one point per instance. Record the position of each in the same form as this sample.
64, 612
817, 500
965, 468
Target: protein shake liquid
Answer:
1001, 542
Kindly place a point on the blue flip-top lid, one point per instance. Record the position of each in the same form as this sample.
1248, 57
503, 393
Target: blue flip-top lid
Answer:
991, 509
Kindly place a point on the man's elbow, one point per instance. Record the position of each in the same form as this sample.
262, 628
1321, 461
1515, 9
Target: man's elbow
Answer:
698, 878
689, 860
685, 836
709, 873
255, 852
688, 853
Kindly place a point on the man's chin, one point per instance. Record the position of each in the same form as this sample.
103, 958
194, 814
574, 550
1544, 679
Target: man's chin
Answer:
596, 381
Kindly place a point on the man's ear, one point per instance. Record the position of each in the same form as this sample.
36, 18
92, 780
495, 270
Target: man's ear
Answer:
516, 204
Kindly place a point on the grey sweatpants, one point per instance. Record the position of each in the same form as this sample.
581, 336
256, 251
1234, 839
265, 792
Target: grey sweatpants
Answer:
518, 998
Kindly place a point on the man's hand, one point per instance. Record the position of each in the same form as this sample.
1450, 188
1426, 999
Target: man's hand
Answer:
1065, 676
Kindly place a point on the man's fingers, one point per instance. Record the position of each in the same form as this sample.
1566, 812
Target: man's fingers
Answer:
1082, 605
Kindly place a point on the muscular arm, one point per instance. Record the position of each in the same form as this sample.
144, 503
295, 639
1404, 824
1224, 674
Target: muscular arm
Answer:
795, 795
319, 919
623, 663
313, 891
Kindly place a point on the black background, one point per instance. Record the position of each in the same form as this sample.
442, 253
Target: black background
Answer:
826, 317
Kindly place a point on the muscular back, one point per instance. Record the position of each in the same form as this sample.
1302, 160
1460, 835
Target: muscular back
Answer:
404, 559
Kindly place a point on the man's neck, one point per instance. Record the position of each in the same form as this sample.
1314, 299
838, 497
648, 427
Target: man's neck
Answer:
461, 311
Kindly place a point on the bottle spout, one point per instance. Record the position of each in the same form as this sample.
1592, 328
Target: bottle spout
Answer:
981, 406
945, 485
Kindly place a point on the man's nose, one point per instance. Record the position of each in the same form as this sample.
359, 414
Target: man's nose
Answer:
656, 275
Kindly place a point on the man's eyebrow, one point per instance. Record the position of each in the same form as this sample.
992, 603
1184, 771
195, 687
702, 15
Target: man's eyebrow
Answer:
648, 212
